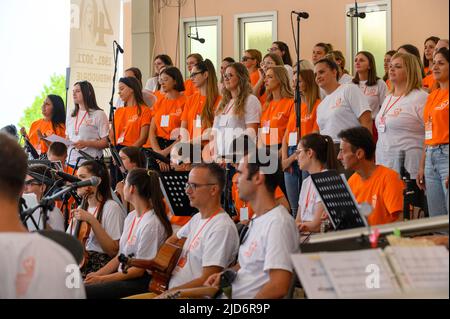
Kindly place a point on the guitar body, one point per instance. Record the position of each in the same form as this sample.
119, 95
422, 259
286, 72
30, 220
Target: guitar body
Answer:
161, 266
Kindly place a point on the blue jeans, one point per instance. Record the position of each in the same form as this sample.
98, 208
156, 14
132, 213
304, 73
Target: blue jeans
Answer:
293, 182
436, 172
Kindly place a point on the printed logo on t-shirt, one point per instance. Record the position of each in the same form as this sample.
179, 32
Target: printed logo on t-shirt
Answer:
48, 133
442, 106
306, 117
338, 103
89, 122
279, 115
23, 279
395, 113
251, 249
177, 112
134, 118
371, 91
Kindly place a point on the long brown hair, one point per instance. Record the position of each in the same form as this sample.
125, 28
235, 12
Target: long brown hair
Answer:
372, 77
281, 75
133, 84
312, 91
90, 102
244, 91
212, 92
323, 147
148, 188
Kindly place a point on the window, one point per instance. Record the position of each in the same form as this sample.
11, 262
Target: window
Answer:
209, 29
373, 33
255, 31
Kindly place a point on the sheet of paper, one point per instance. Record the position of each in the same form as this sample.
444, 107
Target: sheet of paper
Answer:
420, 268
56, 138
313, 277
360, 273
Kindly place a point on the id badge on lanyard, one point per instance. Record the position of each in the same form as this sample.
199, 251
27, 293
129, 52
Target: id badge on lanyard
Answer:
429, 130
382, 125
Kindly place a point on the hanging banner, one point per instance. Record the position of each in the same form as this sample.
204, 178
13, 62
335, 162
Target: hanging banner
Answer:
94, 25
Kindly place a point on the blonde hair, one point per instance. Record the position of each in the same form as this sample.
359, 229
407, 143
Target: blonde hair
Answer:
281, 75
244, 91
413, 72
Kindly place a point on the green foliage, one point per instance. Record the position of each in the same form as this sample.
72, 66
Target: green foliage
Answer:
32, 113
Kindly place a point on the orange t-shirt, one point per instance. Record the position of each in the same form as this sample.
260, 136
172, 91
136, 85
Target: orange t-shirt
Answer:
167, 116
238, 203
274, 120
46, 129
189, 88
435, 115
383, 191
192, 109
388, 84
308, 122
429, 82
176, 220
128, 123
254, 77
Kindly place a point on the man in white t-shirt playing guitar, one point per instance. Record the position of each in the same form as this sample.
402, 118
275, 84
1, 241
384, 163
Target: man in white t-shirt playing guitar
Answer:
32, 266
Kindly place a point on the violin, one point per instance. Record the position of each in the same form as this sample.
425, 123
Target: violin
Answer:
82, 231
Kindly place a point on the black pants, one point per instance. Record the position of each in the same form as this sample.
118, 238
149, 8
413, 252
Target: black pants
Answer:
118, 289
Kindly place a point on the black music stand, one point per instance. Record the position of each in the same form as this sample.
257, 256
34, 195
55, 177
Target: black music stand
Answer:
173, 187
338, 200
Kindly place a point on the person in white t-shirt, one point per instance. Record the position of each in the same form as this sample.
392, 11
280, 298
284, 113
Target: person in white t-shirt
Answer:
344, 105
400, 123
102, 213
366, 79
239, 110
38, 181
145, 230
32, 266
282, 50
87, 127
264, 268
315, 154
160, 61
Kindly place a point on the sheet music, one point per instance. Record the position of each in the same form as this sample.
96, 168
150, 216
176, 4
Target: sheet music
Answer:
360, 273
56, 138
420, 268
313, 277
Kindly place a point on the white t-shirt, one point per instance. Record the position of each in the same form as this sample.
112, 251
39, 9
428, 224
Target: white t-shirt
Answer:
151, 84
341, 110
290, 72
403, 130
227, 126
142, 236
112, 223
55, 217
32, 266
209, 243
345, 79
271, 240
375, 94
91, 127
309, 200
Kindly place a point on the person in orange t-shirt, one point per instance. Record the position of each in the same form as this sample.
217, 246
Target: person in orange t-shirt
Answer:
428, 81
132, 121
433, 170
53, 123
191, 61
252, 59
166, 121
278, 107
198, 114
387, 61
377, 185
310, 101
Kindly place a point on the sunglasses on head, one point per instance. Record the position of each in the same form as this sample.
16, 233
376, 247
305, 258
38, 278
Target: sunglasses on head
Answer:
245, 58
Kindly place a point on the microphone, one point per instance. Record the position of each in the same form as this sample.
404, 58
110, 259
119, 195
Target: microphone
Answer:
353, 14
201, 40
86, 156
118, 47
157, 156
304, 15
67, 177
93, 181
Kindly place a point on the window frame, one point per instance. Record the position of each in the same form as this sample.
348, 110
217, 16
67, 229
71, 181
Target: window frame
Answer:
240, 19
186, 23
351, 40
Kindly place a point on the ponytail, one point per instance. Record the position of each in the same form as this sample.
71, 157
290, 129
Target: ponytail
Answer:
323, 147
148, 187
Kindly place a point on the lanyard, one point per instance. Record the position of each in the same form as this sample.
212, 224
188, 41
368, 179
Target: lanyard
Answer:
77, 129
132, 226
307, 196
388, 108
226, 111
201, 229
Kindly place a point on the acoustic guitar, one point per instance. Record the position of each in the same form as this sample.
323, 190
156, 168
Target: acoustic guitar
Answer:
161, 266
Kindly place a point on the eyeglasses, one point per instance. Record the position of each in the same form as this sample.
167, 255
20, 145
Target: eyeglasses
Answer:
245, 58
227, 76
194, 74
194, 186
32, 182
272, 49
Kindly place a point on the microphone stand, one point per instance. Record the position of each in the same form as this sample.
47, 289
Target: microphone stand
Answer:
111, 102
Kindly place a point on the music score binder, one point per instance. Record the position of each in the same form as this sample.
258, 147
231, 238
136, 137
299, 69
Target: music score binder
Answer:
173, 187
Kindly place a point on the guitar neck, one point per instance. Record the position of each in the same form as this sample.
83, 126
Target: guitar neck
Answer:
190, 293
